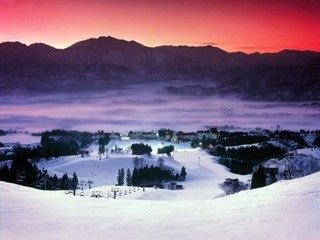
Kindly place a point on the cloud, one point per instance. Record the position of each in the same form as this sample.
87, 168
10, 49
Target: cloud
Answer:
247, 47
254, 48
210, 43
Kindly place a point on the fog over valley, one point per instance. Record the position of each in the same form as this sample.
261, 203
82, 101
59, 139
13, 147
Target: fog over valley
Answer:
149, 109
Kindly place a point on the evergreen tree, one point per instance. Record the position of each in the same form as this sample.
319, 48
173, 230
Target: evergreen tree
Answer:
102, 150
103, 139
74, 183
134, 177
120, 177
64, 182
258, 178
129, 178
160, 163
31, 174
5, 174
166, 149
150, 176
316, 142
273, 177
48, 154
140, 149
195, 143
177, 177
34, 154
55, 182
183, 174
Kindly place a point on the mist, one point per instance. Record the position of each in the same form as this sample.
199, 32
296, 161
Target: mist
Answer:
145, 107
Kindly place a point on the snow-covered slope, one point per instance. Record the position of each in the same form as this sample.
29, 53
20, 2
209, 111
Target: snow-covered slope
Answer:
203, 180
284, 210
300, 162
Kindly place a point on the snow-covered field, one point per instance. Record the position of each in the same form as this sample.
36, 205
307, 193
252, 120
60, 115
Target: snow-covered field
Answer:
203, 180
284, 210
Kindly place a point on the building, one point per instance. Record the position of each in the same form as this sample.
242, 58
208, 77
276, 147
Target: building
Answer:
213, 133
143, 135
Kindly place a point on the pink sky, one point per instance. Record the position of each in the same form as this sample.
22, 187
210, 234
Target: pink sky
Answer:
245, 25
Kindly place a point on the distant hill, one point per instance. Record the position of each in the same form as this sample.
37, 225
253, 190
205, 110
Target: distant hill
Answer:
108, 63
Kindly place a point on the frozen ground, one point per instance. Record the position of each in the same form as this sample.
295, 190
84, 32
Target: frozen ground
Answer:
284, 210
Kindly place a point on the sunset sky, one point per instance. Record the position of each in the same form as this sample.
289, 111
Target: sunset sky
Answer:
233, 25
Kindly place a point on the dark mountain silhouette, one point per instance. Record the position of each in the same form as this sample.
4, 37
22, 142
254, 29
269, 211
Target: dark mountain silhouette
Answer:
106, 63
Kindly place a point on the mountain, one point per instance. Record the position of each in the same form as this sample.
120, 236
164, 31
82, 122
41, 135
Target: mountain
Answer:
107, 63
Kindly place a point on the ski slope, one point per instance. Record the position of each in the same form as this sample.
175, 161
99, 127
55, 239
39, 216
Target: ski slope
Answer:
284, 210
203, 180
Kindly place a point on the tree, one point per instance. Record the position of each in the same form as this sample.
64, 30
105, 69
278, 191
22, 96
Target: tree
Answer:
166, 149
55, 182
258, 178
5, 174
163, 133
149, 176
129, 178
104, 139
272, 177
90, 182
134, 177
74, 183
101, 150
316, 142
183, 174
195, 143
140, 149
120, 177
64, 183
160, 162
138, 162
34, 154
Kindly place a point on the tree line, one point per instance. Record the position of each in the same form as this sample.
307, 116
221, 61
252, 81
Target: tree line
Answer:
140, 149
149, 176
58, 142
25, 172
241, 160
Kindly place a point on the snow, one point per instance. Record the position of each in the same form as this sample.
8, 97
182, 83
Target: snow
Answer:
274, 143
300, 162
284, 210
203, 180
155, 144
314, 152
309, 138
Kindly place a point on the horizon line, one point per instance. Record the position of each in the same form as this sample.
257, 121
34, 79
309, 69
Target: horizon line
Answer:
201, 45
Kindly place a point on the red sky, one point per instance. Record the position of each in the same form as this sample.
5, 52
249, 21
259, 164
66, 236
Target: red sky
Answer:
233, 25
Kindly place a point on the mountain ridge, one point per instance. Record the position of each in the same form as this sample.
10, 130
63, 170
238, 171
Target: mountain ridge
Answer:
166, 45
107, 62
